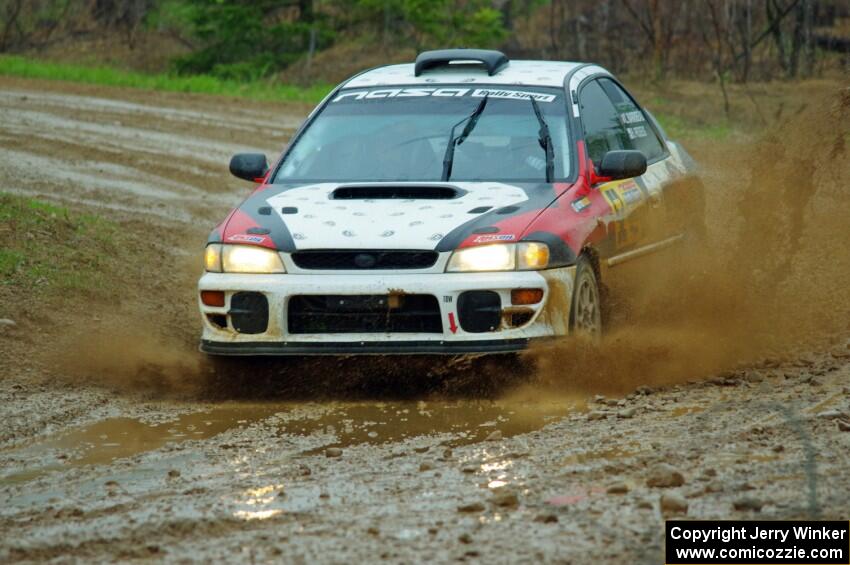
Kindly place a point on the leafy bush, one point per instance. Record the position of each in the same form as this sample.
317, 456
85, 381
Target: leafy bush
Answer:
242, 40
427, 23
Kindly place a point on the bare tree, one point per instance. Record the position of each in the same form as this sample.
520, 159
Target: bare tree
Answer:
11, 13
656, 19
715, 43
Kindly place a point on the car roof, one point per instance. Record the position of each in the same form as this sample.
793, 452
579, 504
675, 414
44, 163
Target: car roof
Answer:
527, 73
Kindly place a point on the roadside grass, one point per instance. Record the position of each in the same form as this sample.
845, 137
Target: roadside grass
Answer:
680, 128
50, 248
683, 120
201, 84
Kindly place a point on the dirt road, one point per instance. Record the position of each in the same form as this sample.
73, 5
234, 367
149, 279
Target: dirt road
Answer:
122, 445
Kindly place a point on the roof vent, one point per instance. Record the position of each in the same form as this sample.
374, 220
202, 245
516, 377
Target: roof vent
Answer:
494, 61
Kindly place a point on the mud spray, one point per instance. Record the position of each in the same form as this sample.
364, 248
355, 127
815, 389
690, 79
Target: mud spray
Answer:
771, 280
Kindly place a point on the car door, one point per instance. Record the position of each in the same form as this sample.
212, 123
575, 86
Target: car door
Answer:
636, 209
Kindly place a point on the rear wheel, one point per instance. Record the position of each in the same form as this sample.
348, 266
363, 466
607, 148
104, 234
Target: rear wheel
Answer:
586, 311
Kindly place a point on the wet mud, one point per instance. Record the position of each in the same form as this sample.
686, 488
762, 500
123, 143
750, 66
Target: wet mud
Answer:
350, 424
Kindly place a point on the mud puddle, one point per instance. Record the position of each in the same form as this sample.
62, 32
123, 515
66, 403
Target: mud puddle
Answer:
464, 422
115, 438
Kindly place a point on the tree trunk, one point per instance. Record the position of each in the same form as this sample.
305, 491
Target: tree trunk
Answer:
657, 39
748, 34
13, 12
797, 39
305, 10
774, 16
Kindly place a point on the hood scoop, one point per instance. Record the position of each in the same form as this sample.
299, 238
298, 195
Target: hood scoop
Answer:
399, 192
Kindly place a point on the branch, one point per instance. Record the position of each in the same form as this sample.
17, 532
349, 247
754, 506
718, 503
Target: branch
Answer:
647, 29
771, 28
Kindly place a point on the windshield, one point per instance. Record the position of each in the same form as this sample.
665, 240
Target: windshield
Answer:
401, 134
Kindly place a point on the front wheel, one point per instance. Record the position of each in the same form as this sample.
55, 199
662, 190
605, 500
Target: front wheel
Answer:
586, 311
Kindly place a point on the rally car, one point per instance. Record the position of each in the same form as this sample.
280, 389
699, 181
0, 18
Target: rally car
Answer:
465, 203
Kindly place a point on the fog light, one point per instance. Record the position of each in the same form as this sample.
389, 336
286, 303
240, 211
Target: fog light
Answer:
523, 296
213, 298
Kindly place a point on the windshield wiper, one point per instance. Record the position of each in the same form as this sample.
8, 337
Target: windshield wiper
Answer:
471, 120
545, 140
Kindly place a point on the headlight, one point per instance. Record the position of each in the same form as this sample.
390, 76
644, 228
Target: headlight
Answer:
532, 256
500, 257
212, 258
242, 259
497, 257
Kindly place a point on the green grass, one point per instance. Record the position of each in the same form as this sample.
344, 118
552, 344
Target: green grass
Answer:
678, 128
47, 247
682, 127
201, 84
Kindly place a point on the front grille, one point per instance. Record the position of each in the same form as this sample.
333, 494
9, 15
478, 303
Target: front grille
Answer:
364, 259
364, 313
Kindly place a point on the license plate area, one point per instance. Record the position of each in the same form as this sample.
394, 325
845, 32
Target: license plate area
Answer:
366, 304
362, 313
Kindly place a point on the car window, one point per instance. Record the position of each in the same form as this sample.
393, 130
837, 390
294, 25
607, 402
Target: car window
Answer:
638, 129
603, 131
401, 134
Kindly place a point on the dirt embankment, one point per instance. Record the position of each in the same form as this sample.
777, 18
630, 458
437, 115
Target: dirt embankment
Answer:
725, 380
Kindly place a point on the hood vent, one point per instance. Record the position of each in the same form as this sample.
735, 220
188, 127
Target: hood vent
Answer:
401, 192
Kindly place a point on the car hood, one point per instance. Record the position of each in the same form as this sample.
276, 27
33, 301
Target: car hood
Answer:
432, 216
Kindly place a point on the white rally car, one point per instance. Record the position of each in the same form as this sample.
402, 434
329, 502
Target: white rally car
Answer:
464, 203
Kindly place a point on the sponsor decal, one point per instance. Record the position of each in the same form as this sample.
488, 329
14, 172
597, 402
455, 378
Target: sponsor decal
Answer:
451, 92
401, 93
581, 204
246, 238
512, 94
613, 198
623, 195
636, 132
631, 195
634, 117
494, 237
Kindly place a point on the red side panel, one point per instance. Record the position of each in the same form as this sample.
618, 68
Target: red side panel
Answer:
576, 216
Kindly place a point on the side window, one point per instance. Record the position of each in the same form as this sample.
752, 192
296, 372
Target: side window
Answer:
641, 135
603, 131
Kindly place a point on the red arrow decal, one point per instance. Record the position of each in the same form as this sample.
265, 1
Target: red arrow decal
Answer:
452, 324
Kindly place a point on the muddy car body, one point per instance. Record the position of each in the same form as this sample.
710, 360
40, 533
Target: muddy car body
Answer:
464, 203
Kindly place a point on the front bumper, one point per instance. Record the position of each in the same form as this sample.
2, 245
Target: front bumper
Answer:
429, 347
546, 319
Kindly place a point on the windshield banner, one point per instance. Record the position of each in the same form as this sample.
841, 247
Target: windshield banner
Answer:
449, 92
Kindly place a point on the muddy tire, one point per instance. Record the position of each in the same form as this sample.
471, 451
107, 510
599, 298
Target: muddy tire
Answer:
586, 310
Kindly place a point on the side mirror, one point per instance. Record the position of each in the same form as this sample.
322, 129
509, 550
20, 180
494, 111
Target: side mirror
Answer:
249, 166
618, 165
